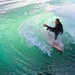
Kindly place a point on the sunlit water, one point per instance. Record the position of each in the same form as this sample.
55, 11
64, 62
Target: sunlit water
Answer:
24, 48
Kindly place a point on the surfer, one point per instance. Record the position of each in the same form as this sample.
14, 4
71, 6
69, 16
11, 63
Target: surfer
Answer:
57, 30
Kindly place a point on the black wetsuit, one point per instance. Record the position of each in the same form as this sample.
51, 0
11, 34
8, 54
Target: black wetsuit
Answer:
57, 29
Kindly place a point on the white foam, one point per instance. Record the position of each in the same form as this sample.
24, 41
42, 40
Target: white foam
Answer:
29, 33
66, 10
18, 4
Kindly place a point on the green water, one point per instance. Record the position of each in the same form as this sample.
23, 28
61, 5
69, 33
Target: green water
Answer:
21, 55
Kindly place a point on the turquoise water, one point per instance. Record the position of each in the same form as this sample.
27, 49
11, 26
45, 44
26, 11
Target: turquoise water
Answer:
24, 49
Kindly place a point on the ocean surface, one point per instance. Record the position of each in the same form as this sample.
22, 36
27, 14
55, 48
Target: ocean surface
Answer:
24, 48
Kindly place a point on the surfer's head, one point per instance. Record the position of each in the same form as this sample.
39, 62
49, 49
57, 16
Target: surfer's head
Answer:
57, 21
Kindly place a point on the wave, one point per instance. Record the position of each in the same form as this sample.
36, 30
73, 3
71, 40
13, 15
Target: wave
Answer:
67, 12
13, 4
29, 34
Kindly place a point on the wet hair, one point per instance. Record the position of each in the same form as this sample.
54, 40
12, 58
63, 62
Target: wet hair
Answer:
58, 20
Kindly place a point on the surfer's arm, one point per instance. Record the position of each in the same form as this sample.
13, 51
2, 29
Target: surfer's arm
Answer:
48, 27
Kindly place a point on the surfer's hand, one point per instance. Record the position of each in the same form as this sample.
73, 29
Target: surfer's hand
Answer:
47, 28
44, 25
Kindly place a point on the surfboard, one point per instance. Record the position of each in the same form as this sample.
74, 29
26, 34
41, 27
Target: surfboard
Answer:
50, 38
57, 47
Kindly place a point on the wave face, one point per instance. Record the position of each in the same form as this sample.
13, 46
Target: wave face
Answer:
24, 47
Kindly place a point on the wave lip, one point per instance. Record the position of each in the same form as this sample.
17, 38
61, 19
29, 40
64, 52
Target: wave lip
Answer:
66, 11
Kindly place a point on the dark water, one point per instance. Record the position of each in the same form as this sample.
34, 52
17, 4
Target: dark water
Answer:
24, 49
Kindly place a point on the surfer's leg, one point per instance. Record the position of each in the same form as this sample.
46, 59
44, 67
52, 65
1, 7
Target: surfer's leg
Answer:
56, 36
55, 39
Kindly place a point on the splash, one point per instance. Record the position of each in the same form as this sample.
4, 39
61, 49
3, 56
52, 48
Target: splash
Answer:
29, 32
